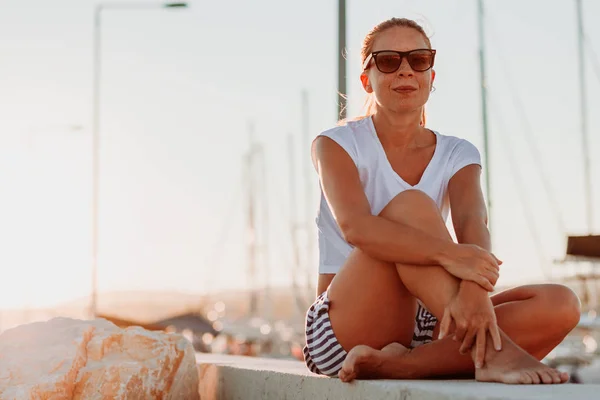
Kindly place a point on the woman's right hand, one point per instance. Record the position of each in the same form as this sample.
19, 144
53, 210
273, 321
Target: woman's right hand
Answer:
473, 263
472, 312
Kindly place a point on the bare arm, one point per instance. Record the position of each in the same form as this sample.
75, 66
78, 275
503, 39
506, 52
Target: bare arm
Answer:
324, 282
378, 237
469, 213
386, 240
469, 217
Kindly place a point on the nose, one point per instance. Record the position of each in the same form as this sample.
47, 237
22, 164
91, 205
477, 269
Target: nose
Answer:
405, 69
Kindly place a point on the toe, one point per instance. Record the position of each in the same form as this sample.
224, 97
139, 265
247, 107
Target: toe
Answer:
347, 373
564, 377
555, 376
525, 378
343, 375
535, 378
545, 376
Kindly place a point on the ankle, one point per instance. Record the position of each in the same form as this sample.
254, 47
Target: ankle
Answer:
405, 366
490, 351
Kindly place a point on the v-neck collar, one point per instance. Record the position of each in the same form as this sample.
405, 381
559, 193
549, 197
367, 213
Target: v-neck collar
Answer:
389, 164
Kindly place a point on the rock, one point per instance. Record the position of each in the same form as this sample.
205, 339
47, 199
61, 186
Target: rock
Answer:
74, 359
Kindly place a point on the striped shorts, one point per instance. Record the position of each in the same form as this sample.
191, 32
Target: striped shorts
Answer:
324, 355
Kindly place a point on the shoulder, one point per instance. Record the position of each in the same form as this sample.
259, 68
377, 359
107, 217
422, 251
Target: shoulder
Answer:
342, 135
458, 153
352, 136
455, 143
456, 147
348, 129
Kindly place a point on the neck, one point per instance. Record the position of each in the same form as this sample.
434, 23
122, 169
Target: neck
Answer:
398, 129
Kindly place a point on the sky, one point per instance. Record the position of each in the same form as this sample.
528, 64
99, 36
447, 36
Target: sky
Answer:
179, 90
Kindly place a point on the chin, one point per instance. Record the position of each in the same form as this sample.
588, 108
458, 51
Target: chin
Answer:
405, 107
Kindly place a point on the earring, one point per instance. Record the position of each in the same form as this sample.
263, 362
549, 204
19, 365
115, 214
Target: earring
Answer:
432, 89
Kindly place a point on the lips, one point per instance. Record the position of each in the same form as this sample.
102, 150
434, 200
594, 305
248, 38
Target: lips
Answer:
404, 89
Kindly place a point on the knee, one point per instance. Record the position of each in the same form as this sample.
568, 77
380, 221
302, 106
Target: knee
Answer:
564, 307
410, 202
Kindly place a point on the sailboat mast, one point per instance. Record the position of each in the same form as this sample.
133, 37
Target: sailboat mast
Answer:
264, 202
484, 114
309, 206
584, 128
249, 181
341, 112
299, 304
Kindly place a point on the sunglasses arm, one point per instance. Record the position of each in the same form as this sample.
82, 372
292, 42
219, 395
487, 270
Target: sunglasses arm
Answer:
367, 61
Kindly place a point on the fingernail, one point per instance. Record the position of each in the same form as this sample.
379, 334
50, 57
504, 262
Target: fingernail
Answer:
498, 348
478, 364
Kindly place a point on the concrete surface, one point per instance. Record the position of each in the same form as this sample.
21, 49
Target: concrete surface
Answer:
246, 378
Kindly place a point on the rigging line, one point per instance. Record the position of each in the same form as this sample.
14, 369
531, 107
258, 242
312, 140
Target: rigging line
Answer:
593, 56
521, 189
296, 265
519, 106
264, 245
211, 259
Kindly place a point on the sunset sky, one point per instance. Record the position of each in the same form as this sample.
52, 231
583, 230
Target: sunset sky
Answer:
179, 88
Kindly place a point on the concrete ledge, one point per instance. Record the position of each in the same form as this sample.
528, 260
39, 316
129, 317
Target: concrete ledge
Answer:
230, 377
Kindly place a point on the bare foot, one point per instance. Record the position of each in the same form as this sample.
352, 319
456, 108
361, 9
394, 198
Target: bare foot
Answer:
514, 365
362, 361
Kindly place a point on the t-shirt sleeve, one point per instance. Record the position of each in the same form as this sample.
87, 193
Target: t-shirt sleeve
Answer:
465, 153
345, 138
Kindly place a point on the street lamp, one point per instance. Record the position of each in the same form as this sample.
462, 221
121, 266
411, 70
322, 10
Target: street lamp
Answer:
96, 126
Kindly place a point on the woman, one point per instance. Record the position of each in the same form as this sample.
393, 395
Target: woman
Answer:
387, 186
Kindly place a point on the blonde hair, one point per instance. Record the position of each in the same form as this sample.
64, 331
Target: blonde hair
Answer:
369, 105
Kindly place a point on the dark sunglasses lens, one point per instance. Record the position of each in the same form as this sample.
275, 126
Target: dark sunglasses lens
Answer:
387, 62
420, 60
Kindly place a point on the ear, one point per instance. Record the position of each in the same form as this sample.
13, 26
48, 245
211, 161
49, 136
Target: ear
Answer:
364, 79
432, 76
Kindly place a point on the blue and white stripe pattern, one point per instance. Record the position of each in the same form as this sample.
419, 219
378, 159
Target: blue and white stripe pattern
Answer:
322, 354
424, 325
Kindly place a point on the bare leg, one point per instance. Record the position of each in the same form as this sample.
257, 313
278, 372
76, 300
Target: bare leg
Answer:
435, 287
537, 316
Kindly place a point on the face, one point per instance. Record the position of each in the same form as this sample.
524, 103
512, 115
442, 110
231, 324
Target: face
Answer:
404, 90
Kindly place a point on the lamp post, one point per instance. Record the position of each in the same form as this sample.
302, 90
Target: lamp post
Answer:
96, 126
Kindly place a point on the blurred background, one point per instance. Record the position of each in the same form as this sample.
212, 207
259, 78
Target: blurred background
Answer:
155, 166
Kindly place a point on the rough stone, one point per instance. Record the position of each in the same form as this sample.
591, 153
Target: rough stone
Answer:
73, 359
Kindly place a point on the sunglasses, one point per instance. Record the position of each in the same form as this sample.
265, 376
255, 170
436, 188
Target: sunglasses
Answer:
388, 61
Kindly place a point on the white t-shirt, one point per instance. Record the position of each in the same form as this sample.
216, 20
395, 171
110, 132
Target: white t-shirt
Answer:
381, 183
